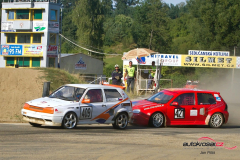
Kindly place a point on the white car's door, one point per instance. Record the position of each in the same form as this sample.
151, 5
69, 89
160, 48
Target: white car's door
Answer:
113, 99
93, 112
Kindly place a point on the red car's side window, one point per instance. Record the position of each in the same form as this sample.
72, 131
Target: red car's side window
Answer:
205, 98
185, 99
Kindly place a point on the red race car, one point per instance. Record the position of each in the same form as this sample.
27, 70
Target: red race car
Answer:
181, 107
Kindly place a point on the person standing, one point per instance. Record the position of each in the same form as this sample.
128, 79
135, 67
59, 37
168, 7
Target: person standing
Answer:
130, 71
116, 76
151, 75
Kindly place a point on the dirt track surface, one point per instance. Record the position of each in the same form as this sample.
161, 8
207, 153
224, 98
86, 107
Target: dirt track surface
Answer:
17, 86
21, 141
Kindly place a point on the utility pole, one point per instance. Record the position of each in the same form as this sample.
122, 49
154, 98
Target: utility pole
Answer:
234, 53
60, 45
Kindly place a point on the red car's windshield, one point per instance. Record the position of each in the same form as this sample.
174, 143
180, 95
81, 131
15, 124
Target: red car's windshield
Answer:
160, 97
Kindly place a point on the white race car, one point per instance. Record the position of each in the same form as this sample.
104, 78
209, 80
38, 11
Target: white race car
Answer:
74, 104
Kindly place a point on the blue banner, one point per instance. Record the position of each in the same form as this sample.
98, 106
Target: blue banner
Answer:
12, 50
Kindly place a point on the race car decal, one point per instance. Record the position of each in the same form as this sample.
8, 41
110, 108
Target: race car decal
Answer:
85, 112
193, 112
179, 113
101, 118
218, 98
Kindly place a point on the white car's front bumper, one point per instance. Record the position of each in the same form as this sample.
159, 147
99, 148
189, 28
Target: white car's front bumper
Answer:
41, 118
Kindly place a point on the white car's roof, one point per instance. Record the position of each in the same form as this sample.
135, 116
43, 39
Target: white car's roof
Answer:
91, 86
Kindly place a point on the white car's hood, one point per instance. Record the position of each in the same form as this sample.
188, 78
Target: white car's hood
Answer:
48, 102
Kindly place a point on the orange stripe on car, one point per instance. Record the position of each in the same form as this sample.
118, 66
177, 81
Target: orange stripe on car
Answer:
105, 115
49, 110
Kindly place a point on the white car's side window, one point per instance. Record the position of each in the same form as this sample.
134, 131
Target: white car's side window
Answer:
95, 95
112, 95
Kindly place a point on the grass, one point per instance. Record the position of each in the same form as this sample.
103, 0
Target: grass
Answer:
59, 77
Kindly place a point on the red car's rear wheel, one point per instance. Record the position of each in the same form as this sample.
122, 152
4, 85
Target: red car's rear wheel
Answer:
216, 120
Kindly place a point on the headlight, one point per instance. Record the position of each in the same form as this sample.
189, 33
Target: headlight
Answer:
136, 111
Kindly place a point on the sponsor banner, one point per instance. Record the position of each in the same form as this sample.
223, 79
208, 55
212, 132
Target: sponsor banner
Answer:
208, 53
53, 27
39, 26
165, 59
238, 62
11, 50
52, 48
52, 51
81, 64
33, 50
7, 27
208, 61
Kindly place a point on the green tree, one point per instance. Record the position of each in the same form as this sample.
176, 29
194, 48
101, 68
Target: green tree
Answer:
88, 17
150, 28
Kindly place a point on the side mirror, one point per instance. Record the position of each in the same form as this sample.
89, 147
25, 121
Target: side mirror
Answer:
86, 101
174, 103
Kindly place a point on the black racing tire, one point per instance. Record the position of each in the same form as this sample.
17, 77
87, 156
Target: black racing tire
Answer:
121, 121
216, 120
157, 120
35, 124
69, 121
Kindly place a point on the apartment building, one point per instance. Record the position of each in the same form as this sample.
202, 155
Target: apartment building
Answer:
30, 33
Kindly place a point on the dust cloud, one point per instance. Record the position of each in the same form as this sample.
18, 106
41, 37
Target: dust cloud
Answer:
225, 83
229, 90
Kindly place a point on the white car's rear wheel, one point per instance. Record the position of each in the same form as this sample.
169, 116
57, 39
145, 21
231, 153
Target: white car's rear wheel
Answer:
69, 120
216, 120
121, 121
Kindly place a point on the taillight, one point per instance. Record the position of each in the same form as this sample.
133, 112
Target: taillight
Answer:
226, 107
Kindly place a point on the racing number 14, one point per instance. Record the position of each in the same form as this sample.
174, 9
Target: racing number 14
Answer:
86, 113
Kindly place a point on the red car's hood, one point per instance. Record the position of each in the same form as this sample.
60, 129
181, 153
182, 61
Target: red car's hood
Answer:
143, 104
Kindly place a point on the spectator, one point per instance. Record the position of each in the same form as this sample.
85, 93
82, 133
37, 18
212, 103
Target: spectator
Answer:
151, 75
116, 76
131, 77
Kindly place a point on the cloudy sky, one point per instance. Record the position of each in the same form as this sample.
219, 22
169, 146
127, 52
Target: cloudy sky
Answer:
174, 1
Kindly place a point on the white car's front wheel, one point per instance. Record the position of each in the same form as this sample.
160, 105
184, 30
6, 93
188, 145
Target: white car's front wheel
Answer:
35, 124
69, 120
121, 121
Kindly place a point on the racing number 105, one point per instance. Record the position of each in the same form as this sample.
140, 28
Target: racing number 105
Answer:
86, 113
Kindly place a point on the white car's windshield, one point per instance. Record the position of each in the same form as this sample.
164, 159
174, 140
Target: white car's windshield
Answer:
68, 93
160, 97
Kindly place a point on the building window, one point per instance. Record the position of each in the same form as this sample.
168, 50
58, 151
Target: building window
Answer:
37, 14
11, 38
23, 38
53, 38
22, 14
37, 38
10, 61
23, 61
35, 62
10, 14
53, 16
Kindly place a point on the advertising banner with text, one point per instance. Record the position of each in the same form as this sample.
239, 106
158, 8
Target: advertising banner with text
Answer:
165, 59
208, 61
33, 50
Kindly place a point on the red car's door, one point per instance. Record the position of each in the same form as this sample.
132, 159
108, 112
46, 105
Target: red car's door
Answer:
204, 101
184, 112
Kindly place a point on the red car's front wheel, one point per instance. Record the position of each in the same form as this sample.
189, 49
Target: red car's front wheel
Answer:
157, 120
